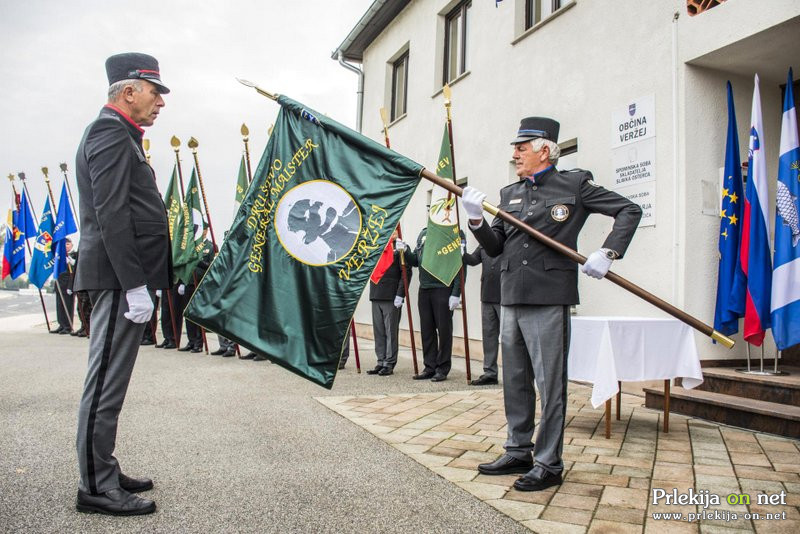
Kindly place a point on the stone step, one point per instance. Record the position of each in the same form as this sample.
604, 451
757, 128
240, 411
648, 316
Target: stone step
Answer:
782, 389
763, 416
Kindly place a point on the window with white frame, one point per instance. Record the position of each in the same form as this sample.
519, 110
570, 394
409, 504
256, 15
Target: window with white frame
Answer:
538, 10
455, 42
399, 86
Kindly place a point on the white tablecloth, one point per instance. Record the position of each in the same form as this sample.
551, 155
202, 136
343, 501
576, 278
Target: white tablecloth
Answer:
605, 350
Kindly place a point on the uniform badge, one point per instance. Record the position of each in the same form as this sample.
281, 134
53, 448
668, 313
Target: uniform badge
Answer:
559, 213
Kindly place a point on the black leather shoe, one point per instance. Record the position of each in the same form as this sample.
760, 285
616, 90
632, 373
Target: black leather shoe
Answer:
65, 331
146, 342
385, 371
423, 376
196, 349
79, 332
248, 356
484, 380
134, 485
161, 345
506, 465
537, 480
229, 353
438, 378
375, 371
56, 331
186, 348
259, 358
218, 352
114, 502
170, 346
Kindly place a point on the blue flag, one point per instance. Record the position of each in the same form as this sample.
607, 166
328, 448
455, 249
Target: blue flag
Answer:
65, 225
726, 319
42, 262
25, 218
14, 248
786, 276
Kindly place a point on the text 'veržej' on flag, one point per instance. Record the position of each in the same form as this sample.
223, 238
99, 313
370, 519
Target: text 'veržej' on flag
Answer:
322, 206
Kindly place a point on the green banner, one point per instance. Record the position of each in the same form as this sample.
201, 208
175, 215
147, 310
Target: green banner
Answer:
441, 256
241, 186
189, 238
172, 201
323, 204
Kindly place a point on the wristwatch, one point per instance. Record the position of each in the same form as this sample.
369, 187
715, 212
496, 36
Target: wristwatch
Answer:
611, 254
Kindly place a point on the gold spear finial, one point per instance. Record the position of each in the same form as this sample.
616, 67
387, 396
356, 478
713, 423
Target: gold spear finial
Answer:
146, 144
176, 143
245, 131
11, 177
193, 144
446, 92
44, 171
384, 118
258, 89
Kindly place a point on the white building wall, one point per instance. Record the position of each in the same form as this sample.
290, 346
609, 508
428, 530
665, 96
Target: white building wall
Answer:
578, 68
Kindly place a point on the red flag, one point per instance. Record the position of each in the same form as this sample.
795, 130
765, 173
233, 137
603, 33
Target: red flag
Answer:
385, 261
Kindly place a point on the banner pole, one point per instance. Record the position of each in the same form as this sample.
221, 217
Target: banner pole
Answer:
193, 144
402, 262
447, 103
176, 146
245, 138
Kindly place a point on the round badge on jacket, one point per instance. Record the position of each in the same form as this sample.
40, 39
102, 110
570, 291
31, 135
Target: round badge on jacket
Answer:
559, 213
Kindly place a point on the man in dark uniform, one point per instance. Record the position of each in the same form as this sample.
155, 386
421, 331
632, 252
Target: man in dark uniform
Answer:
65, 301
125, 257
538, 287
387, 297
490, 312
186, 289
436, 303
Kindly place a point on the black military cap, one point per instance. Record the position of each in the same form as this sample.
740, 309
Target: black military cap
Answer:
537, 127
134, 66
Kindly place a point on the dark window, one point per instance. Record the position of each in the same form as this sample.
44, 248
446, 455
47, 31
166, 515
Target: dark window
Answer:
538, 10
399, 86
455, 42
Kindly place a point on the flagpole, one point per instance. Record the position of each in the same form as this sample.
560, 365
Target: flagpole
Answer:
193, 144
384, 118
447, 103
176, 146
54, 211
27, 243
245, 138
578, 258
355, 346
63, 167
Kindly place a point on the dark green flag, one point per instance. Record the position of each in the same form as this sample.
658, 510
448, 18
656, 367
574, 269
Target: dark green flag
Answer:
172, 201
189, 234
323, 204
241, 186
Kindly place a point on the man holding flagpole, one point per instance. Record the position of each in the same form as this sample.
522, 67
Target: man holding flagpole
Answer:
538, 286
125, 257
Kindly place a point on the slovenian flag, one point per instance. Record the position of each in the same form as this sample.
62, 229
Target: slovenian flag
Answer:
754, 269
786, 276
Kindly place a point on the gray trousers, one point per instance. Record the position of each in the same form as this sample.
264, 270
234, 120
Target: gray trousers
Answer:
113, 347
385, 328
535, 347
490, 321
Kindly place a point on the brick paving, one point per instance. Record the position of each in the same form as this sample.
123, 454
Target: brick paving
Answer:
608, 483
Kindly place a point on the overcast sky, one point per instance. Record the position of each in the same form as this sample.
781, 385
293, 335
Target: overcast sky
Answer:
52, 57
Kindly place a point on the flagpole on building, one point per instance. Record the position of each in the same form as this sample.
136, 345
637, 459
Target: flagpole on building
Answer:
385, 120
27, 243
245, 138
54, 211
679, 314
447, 103
193, 144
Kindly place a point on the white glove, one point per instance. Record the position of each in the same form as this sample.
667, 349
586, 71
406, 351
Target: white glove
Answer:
158, 293
398, 302
463, 247
140, 306
472, 200
70, 260
597, 264
181, 289
453, 302
69, 292
400, 245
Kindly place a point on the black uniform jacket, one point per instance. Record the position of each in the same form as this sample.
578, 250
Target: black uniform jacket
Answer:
124, 233
557, 205
490, 274
391, 283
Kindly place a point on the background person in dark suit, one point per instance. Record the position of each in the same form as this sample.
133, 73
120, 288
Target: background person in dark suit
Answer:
490, 312
125, 257
538, 285
65, 301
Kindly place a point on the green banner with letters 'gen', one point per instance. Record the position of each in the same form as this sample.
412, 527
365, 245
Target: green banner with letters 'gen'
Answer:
323, 204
